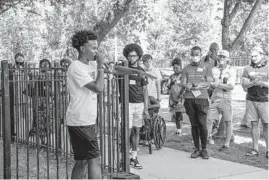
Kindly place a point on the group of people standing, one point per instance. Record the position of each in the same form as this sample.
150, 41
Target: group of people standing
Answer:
202, 89
32, 86
205, 92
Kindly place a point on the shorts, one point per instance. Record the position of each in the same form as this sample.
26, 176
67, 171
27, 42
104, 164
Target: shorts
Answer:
136, 114
223, 107
256, 110
84, 142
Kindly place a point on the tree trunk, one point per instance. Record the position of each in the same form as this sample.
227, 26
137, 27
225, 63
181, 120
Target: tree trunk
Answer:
226, 26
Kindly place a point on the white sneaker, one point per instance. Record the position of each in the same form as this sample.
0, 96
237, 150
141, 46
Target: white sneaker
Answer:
211, 141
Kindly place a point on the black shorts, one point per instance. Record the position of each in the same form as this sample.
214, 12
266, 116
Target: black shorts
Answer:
84, 142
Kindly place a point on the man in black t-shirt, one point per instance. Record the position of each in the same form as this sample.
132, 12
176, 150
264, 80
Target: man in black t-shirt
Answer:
138, 99
255, 80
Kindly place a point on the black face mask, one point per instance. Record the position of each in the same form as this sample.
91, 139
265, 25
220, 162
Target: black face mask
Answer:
259, 65
19, 63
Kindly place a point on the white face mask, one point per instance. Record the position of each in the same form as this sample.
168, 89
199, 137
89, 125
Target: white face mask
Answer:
222, 61
196, 59
256, 57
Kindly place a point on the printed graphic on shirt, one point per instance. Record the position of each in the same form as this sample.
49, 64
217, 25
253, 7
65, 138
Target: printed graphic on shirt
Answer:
262, 76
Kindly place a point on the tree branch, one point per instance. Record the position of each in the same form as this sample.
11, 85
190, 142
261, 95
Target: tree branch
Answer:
247, 23
235, 10
6, 5
108, 22
225, 19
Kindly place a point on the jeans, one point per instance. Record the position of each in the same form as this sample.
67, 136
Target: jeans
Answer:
197, 110
179, 119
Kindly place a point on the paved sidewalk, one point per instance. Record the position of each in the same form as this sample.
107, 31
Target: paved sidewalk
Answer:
173, 164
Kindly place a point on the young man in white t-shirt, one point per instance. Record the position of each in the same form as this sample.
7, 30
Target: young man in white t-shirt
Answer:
85, 81
154, 86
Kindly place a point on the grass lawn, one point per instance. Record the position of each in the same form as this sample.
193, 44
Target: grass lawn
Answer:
238, 149
47, 161
236, 152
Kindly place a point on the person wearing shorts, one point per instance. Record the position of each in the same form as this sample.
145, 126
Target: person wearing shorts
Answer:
221, 101
85, 79
138, 100
255, 80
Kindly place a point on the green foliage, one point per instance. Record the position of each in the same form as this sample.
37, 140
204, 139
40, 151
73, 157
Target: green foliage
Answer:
44, 28
182, 24
164, 28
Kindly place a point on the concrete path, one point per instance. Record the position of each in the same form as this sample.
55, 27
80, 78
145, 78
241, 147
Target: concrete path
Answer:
173, 164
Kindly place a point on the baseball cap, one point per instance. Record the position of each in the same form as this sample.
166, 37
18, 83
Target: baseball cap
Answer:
223, 53
258, 49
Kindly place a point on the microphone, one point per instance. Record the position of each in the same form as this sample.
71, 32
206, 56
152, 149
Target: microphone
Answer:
107, 66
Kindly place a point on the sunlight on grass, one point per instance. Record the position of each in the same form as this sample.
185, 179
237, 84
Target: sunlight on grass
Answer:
242, 139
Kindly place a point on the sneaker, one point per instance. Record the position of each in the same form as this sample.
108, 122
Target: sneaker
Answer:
135, 164
223, 148
210, 141
252, 153
204, 154
196, 153
244, 126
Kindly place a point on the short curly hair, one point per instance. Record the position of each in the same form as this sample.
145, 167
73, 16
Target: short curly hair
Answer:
176, 61
82, 37
65, 61
132, 47
146, 57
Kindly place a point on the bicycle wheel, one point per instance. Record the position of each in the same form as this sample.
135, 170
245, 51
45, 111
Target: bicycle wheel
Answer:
159, 132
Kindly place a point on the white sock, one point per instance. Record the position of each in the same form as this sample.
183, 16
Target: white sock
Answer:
179, 131
134, 154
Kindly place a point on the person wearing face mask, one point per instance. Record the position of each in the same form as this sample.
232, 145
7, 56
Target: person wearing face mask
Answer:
221, 101
154, 86
17, 73
176, 93
196, 79
19, 60
255, 80
41, 98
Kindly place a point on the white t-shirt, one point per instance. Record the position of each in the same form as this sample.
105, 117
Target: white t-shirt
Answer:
152, 90
228, 72
82, 108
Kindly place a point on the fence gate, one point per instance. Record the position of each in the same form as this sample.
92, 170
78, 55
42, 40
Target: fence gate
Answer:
33, 131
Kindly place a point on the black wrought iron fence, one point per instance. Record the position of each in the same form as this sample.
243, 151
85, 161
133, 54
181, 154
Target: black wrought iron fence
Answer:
33, 126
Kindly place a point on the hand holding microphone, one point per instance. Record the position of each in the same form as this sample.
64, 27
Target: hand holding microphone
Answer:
100, 60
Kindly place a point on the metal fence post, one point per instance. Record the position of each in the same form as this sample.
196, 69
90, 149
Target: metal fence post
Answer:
6, 119
125, 123
57, 115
